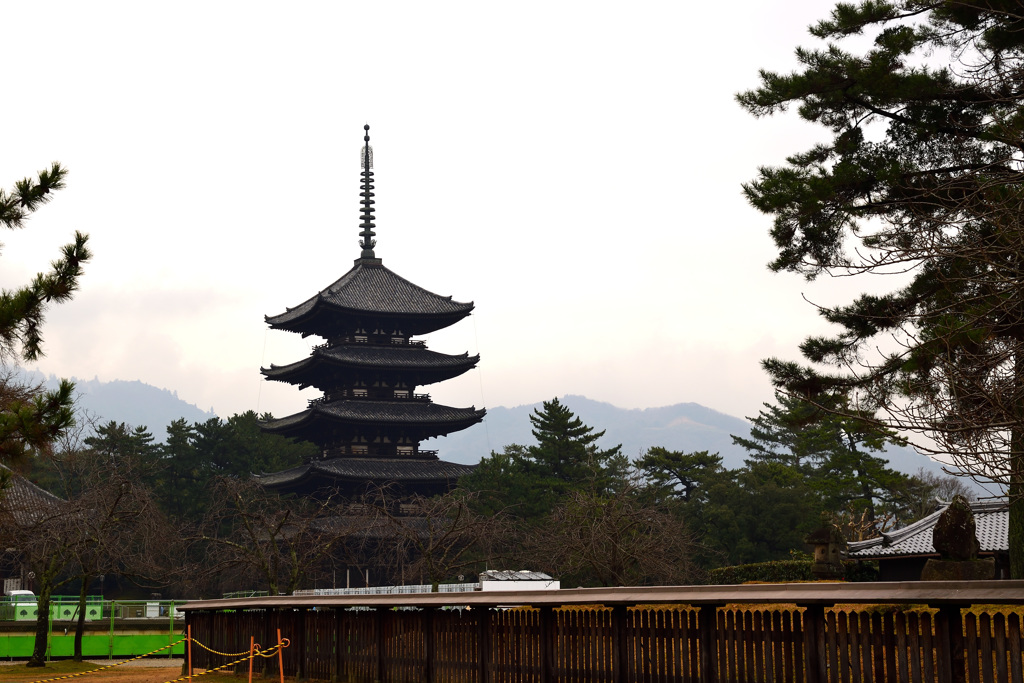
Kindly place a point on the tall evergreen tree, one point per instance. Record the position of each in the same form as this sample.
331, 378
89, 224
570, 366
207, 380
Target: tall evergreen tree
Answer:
501, 484
788, 432
183, 480
923, 176
529, 481
685, 476
117, 439
194, 454
31, 418
833, 450
566, 452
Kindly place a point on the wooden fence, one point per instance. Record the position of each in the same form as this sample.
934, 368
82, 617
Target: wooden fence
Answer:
813, 633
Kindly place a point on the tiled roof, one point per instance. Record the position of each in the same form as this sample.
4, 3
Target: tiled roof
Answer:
513, 575
409, 413
370, 469
992, 519
26, 502
375, 289
357, 356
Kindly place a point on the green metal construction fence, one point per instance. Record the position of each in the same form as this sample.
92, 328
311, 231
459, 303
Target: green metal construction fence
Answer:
115, 628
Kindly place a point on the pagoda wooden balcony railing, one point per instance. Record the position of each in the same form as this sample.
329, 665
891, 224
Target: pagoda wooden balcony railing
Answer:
369, 395
404, 509
373, 341
425, 398
359, 451
408, 342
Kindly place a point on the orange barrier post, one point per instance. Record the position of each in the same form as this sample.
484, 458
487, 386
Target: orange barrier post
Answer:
190, 653
280, 656
252, 646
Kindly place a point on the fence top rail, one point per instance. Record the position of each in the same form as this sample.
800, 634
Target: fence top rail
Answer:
935, 593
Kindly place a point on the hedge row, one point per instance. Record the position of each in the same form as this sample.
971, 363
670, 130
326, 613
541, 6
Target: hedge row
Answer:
782, 571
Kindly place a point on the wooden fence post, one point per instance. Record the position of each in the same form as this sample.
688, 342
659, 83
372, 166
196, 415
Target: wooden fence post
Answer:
620, 644
483, 642
548, 644
706, 624
340, 646
380, 613
273, 620
815, 656
300, 669
949, 642
428, 644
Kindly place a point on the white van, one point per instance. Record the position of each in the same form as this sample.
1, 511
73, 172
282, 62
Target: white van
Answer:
24, 603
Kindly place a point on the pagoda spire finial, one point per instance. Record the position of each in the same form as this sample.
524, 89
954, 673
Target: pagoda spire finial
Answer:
367, 243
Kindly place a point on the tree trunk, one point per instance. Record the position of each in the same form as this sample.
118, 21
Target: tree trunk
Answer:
1015, 534
1016, 493
80, 625
43, 613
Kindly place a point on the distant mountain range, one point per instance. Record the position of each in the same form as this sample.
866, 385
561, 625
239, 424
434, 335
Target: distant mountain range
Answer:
681, 427
134, 403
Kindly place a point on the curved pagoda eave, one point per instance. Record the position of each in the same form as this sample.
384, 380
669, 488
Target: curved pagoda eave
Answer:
425, 420
329, 367
361, 470
322, 321
372, 292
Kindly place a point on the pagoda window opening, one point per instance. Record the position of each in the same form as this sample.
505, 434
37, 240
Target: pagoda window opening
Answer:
405, 450
401, 393
359, 393
360, 449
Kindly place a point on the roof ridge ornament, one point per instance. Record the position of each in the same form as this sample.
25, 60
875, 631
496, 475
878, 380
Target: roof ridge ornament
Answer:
367, 233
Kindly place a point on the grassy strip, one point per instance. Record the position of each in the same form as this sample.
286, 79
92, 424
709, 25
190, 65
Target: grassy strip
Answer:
51, 669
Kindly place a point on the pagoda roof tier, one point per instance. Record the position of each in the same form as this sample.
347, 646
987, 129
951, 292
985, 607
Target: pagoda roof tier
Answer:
363, 470
371, 291
423, 420
327, 367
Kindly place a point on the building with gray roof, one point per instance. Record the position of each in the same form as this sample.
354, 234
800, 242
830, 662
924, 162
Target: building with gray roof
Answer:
902, 553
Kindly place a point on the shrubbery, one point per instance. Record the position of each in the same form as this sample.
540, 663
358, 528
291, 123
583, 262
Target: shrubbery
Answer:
782, 571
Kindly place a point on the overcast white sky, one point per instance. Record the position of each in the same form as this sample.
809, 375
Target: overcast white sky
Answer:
573, 168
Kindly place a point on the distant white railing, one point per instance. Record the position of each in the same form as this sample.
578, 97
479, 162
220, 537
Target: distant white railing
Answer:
392, 590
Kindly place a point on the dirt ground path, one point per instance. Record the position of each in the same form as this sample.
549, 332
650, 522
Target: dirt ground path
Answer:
132, 672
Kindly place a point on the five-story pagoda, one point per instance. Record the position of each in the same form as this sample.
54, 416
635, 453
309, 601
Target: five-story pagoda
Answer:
370, 421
